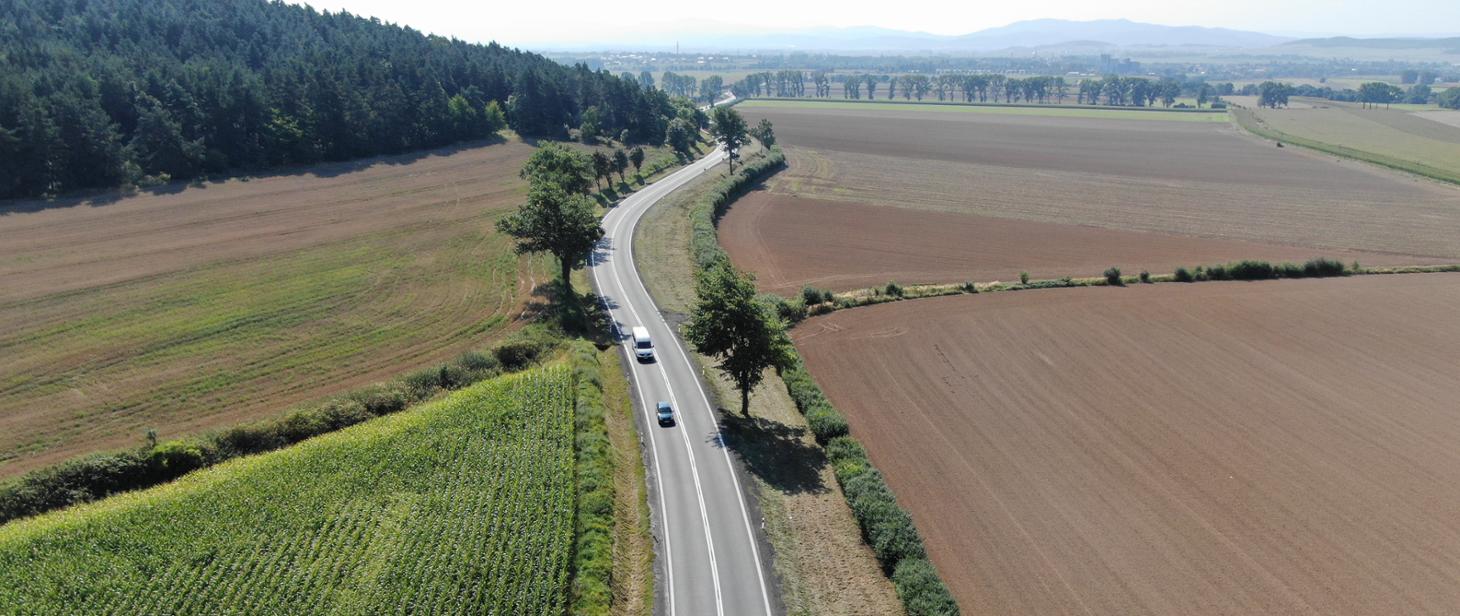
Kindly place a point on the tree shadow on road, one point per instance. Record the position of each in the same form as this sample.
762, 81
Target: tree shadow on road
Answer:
775, 452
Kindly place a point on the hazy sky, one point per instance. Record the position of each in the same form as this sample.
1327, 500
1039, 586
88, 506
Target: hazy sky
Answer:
558, 22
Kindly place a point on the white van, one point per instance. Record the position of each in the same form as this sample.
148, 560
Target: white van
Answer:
643, 346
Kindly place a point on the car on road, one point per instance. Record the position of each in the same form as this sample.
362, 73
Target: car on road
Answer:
666, 414
643, 346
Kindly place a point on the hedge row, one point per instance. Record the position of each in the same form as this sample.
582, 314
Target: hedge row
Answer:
592, 586
103, 474
704, 242
886, 527
1262, 270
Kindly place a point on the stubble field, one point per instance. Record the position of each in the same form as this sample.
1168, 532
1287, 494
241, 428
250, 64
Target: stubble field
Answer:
1190, 182
208, 305
1220, 448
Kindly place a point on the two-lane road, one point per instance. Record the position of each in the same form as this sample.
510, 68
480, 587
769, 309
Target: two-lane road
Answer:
709, 559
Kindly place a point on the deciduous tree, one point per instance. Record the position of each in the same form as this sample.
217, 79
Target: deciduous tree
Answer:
558, 222
729, 131
731, 324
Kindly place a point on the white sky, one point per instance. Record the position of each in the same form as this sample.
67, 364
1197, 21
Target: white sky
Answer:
537, 24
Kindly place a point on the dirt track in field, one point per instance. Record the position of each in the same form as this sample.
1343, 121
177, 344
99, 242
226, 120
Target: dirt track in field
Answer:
790, 242
1282, 447
205, 306
1202, 180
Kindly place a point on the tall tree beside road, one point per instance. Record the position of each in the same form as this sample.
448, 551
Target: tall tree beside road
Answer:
558, 222
729, 131
602, 167
710, 88
556, 164
731, 324
636, 156
764, 133
620, 163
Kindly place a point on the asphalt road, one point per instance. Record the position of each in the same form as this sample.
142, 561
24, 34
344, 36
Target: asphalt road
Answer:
709, 558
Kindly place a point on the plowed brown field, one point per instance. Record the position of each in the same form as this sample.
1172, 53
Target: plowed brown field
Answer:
1220, 448
205, 305
1178, 179
792, 241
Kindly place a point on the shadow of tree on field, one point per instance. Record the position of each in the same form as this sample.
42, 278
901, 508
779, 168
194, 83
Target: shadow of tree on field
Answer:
775, 452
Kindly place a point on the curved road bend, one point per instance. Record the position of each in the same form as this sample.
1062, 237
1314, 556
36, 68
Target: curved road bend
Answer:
709, 559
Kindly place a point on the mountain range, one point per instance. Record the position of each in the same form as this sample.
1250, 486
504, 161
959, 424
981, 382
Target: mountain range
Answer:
1023, 34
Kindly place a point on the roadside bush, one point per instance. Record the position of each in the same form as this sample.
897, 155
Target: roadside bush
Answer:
705, 215
1184, 275
260, 437
1112, 277
593, 551
888, 529
1145, 277
826, 423
921, 591
893, 289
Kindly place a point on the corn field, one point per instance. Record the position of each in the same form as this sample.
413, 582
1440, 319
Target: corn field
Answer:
464, 505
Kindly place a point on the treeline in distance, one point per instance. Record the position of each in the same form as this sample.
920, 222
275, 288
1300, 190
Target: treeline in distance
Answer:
114, 92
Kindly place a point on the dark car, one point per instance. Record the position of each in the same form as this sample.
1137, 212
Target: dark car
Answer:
666, 414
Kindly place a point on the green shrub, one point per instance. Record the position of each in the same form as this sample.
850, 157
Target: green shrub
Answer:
826, 423
1251, 270
593, 552
260, 437
384, 399
921, 591
888, 529
968, 287
173, 458
1023, 277
1145, 277
1184, 275
812, 296
1112, 277
789, 310
1322, 268
1217, 272
478, 362
893, 289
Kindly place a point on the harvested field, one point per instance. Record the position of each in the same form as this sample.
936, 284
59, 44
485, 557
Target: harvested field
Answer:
1387, 132
790, 242
1190, 179
1219, 448
1007, 109
207, 305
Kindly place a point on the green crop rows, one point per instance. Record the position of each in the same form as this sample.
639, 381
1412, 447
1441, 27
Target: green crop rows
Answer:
464, 505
